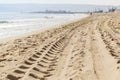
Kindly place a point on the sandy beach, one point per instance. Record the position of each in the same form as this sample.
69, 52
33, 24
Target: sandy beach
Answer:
85, 49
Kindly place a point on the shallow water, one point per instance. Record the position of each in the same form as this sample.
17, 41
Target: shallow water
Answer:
12, 24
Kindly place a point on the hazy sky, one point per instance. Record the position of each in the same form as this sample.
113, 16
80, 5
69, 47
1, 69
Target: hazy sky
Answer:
97, 2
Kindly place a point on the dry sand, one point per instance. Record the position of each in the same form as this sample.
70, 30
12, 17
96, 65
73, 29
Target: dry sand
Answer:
87, 49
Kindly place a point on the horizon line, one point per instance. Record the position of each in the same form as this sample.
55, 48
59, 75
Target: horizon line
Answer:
61, 4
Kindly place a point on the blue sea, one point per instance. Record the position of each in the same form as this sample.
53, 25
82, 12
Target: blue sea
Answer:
6, 16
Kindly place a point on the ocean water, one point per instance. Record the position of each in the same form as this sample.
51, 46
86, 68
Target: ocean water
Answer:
5, 16
16, 23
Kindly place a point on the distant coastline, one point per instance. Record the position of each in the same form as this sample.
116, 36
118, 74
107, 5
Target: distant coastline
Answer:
59, 12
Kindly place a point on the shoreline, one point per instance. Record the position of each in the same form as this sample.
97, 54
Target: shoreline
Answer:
19, 27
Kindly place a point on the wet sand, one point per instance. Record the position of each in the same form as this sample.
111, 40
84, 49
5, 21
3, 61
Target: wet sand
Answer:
86, 49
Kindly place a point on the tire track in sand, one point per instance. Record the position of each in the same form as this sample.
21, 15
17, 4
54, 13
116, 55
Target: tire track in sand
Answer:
42, 63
